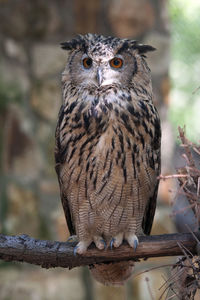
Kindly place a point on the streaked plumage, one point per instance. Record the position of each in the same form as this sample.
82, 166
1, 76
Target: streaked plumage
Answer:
107, 146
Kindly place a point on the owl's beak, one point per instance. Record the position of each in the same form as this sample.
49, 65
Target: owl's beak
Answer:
99, 76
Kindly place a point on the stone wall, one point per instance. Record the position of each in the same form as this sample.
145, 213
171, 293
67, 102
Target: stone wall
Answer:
31, 62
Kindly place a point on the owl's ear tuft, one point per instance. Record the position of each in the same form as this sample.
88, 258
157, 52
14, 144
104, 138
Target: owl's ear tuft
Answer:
134, 45
143, 48
123, 47
67, 45
76, 43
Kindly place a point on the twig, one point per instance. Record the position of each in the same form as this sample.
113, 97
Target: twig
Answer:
185, 144
149, 288
153, 268
196, 90
164, 177
198, 188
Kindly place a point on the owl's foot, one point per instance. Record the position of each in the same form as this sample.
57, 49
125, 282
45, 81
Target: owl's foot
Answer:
117, 240
81, 247
99, 242
132, 239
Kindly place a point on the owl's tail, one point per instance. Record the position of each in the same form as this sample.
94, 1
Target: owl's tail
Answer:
112, 273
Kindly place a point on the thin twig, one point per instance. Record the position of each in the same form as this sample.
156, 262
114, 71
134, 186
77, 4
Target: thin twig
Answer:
185, 144
164, 177
152, 269
149, 288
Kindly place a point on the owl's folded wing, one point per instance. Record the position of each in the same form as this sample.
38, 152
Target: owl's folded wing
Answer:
58, 159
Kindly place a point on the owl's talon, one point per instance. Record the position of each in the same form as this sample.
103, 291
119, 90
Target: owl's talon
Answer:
75, 250
132, 240
104, 243
135, 244
111, 243
118, 239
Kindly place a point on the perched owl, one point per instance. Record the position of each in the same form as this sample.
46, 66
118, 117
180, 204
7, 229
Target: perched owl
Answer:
107, 147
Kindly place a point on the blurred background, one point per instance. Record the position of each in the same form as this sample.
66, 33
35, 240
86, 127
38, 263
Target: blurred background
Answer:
31, 62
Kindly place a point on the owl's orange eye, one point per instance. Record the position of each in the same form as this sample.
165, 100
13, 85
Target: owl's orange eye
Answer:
87, 62
116, 63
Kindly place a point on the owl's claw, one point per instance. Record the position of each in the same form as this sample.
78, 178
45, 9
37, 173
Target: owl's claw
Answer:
111, 243
75, 250
132, 240
117, 240
104, 243
135, 244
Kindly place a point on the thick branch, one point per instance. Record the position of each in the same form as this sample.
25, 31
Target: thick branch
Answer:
59, 254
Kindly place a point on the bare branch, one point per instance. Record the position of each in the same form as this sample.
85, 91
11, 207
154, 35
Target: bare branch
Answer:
186, 144
164, 177
49, 254
185, 279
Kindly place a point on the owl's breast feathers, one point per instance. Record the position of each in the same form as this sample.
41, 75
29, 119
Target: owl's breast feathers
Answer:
108, 158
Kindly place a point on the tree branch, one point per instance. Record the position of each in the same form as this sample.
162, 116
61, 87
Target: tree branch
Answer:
49, 254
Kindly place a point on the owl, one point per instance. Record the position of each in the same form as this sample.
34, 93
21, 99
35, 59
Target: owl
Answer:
107, 149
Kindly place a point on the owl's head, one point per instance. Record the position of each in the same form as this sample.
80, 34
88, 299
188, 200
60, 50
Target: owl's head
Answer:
95, 60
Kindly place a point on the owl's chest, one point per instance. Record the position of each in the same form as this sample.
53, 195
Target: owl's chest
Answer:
106, 127
101, 150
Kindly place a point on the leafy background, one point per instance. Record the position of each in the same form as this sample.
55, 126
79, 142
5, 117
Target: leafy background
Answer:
185, 66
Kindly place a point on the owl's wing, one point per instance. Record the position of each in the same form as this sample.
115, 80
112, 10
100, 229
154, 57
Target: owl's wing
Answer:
59, 159
151, 206
149, 213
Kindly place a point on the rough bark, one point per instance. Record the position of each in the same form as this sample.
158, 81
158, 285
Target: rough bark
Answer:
50, 254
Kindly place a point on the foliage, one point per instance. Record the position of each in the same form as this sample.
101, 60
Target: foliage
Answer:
185, 65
